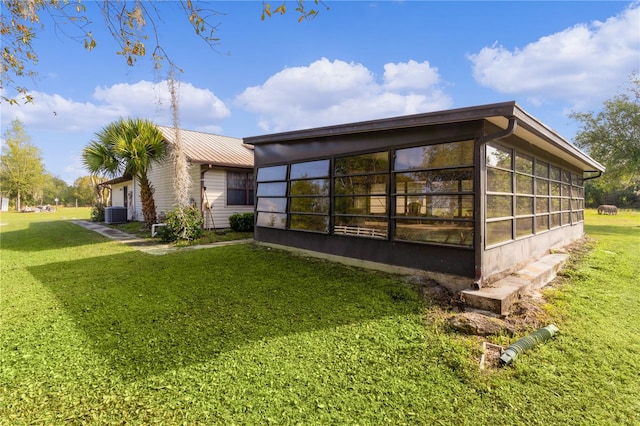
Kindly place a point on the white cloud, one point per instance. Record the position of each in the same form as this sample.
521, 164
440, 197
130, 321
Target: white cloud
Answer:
582, 65
327, 92
199, 108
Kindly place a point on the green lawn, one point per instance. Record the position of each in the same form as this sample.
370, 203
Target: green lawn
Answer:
95, 332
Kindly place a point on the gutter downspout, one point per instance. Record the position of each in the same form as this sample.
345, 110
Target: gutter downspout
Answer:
479, 202
592, 177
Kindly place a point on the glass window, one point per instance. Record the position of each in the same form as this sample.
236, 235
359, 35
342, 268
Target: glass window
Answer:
524, 163
310, 205
434, 231
362, 164
542, 169
310, 187
361, 205
542, 205
272, 205
272, 173
499, 181
272, 220
524, 226
555, 220
498, 156
239, 188
435, 156
361, 227
272, 189
524, 205
310, 169
542, 223
499, 206
450, 180
542, 187
555, 173
368, 184
306, 222
524, 184
498, 232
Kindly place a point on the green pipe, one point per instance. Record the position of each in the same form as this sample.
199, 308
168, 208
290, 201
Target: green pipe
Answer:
527, 342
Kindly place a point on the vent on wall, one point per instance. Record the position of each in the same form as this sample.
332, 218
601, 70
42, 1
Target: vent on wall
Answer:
115, 214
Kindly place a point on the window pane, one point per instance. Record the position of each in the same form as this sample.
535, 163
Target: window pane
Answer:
566, 176
310, 204
542, 169
434, 231
555, 189
310, 187
435, 156
565, 218
499, 205
555, 173
271, 220
524, 164
272, 173
272, 189
309, 222
272, 205
524, 184
365, 163
524, 205
449, 206
498, 157
542, 223
238, 197
498, 232
371, 184
542, 187
360, 227
237, 180
364, 205
455, 180
555, 220
524, 226
555, 205
310, 169
542, 205
499, 181
565, 190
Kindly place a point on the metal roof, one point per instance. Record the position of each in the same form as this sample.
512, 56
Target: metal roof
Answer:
528, 128
207, 148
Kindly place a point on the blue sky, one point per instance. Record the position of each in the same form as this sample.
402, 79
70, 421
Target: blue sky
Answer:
360, 60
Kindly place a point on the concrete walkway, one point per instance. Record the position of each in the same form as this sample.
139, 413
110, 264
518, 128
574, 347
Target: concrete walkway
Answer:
146, 245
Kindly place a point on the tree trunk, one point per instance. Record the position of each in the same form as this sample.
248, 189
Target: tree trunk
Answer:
18, 201
148, 203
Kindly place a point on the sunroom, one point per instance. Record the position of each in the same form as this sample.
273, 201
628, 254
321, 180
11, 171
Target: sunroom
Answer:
466, 195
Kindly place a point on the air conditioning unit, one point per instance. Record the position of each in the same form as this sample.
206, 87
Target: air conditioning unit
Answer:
115, 214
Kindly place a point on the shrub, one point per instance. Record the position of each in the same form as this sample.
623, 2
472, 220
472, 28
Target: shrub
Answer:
97, 213
183, 223
241, 222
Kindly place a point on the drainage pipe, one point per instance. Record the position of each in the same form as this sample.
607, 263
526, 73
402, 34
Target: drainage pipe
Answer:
527, 342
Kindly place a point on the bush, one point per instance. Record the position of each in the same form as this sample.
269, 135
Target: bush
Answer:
97, 213
182, 224
241, 222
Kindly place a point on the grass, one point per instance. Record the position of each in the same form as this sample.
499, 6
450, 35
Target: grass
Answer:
208, 237
95, 332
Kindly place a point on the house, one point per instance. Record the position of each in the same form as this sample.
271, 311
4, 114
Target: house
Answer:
466, 194
221, 170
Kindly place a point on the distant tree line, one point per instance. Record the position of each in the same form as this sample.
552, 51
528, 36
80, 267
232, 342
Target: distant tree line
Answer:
24, 180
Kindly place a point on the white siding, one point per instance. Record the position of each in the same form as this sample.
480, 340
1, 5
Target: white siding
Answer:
215, 180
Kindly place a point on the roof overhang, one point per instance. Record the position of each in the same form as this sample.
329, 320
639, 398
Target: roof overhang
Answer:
528, 128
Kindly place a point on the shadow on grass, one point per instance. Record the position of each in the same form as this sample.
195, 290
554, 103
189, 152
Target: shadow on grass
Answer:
149, 314
613, 229
49, 235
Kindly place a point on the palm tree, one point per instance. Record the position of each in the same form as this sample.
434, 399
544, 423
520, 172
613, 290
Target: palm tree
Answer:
128, 147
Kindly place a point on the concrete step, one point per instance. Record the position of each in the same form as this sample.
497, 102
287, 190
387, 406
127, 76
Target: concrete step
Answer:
501, 295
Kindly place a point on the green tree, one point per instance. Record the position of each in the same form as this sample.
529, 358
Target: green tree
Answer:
128, 147
55, 187
612, 137
21, 170
84, 190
